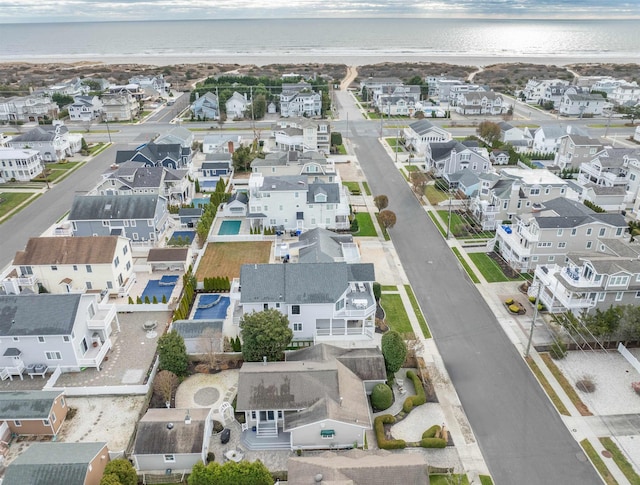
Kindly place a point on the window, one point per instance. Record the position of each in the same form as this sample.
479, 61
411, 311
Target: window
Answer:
619, 295
601, 296
277, 305
125, 249
601, 232
75, 267
618, 281
62, 402
552, 259
589, 244
53, 355
133, 223
53, 417
253, 415
116, 261
54, 268
560, 232
41, 340
589, 231
297, 327
46, 422
544, 244
16, 339
534, 192
637, 294
562, 245
169, 458
17, 423
66, 338
128, 265
547, 190
109, 285
619, 231
574, 231
295, 309
327, 434
89, 270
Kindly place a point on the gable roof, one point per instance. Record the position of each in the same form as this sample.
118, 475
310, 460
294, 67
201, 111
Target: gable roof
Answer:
101, 207
27, 404
163, 431
67, 250
331, 190
321, 245
565, 213
300, 283
47, 463
38, 314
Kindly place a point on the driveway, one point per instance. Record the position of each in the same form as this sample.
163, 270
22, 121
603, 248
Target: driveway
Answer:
520, 434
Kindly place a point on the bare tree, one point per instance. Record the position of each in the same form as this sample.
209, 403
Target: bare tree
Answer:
418, 181
165, 384
387, 218
381, 202
210, 346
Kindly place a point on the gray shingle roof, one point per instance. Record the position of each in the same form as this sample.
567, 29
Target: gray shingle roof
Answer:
101, 207
38, 314
421, 127
27, 404
286, 182
155, 438
321, 246
52, 463
565, 213
332, 191
300, 283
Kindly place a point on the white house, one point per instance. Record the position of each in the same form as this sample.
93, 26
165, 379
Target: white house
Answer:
443, 158
546, 139
121, 106
27, 108
579, 104
85, 108
323, 301
20, 165
481, 103
420, 133
54, 142
302, 134
224, 143
73, 265
70, 332
237, 106
300, 100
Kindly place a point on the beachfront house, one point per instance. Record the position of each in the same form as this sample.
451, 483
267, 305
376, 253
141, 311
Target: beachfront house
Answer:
237, 106
35, 107
420, 133
481, 103
206, 107
300, 99
317, 399
85, 108
73, 265
141, 218
581, 104
121, 106
324, 301
301, 134
39, 333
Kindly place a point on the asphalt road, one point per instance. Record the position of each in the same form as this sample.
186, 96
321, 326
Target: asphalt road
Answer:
34, 219
520, 434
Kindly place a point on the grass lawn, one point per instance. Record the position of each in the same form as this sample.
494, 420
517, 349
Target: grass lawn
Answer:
225, 259
621, 461
11, 200
395, 144
411, 168
385, 233
448, 480
568, 388
485, 480
547, 387
434, 195
466, 266
437, 223
488, 267
96, 148
57, 171
598, 463
354, 187
418, 312
396, 315
341, 150
388, 288
367, 190
365, 225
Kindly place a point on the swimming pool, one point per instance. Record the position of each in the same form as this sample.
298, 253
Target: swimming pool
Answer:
228, 228
211, 306
183, 235
200, 202
158, 288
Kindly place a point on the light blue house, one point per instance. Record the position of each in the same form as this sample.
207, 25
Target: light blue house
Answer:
206, 107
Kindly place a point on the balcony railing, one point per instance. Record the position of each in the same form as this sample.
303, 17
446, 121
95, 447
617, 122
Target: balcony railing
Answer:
95, 355
103, 317
124, 289
27, 280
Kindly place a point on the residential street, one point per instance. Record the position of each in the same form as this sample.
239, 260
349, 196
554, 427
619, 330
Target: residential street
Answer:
520, 434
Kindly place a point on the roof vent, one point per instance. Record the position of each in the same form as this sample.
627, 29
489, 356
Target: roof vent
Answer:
169, 425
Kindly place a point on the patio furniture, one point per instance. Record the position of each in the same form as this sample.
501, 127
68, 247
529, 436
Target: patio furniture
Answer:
234, 455
149, 325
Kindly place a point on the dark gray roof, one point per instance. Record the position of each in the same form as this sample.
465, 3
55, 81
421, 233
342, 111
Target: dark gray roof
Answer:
332, 191
285, 182
52, 463
366, 363
215, 165
27, 404
566, 213
443, 149
197, 328
218, 156
101, 207
142, 176
189, 211
154, 437
300, 283
240, 197
421, 127
38, 314
40, 133
155, 152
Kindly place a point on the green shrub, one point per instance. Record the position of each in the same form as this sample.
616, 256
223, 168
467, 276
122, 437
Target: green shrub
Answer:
130, 301
532, 299
558, 350
139, 300
431, 432
383, 443
377, 290
407, 406
433, 443
381, 397
146, 299
164, 298
420, 397
514, 308
155, 300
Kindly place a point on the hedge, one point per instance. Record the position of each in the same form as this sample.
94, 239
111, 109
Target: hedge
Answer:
383, 442
430, 441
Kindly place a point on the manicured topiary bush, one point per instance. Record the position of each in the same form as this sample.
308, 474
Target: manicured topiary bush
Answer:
429, 439
514, 308
509, 301
381, 397
420, 397
407, 406
383, 442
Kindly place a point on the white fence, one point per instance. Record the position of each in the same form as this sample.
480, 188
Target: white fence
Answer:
240, 237
629, 356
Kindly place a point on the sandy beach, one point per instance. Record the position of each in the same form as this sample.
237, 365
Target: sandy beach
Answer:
350, 60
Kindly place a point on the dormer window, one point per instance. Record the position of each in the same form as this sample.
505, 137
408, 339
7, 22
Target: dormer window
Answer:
320, 198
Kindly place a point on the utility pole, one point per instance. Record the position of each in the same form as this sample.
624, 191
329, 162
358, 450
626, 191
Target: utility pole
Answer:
106, 120
533, 320
449, 219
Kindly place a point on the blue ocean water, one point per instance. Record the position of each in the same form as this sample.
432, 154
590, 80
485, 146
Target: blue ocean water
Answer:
276, 40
